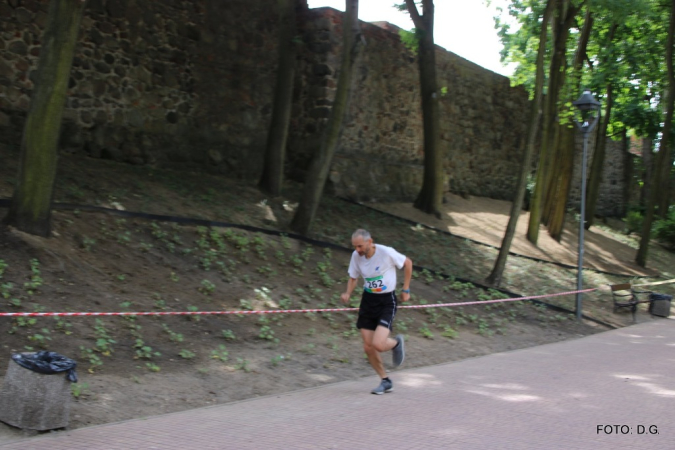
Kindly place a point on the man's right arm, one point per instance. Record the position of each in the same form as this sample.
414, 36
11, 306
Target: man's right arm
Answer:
346, 295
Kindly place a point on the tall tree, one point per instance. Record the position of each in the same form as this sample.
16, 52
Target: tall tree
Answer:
563, 18
32, 200
495, 276
430, 198
560, 181
272, 177
663, 161
322, 159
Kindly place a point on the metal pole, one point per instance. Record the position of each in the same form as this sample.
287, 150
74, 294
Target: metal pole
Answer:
582, 220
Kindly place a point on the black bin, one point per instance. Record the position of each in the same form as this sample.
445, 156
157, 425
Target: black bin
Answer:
659, 304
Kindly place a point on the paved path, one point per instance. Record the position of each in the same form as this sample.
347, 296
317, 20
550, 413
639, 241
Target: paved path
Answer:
554, 396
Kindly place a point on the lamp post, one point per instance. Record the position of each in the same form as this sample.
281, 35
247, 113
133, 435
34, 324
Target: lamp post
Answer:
588, 107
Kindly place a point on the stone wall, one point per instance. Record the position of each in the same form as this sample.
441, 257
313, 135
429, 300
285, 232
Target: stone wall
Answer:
170, 83
613, 193
189, 84
381, 152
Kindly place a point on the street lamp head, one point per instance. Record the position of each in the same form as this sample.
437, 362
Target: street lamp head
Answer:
587, 102
588, 106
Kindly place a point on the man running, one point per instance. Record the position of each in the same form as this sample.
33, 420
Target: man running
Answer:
377, 265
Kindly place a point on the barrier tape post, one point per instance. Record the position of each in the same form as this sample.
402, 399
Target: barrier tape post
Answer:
279, 311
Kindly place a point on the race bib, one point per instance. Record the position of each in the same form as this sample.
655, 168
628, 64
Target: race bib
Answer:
374, 285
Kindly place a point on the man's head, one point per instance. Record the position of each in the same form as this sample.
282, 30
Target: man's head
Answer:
362, 242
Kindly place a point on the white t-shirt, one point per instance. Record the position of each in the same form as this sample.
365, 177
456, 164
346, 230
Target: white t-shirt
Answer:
378, 272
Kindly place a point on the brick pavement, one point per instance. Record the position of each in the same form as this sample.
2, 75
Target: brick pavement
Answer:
548, 397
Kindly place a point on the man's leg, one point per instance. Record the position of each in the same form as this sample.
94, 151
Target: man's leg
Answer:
374, 342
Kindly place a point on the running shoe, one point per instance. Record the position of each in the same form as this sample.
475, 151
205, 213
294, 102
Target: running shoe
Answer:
385, 386
398, 352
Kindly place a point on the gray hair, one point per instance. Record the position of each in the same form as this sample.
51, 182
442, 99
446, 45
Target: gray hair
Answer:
364, 234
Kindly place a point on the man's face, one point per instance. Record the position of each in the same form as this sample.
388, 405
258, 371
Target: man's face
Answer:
362, 246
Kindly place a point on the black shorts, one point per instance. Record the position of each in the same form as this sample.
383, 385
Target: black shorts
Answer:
376, 310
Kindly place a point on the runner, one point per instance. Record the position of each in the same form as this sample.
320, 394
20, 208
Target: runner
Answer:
377, 265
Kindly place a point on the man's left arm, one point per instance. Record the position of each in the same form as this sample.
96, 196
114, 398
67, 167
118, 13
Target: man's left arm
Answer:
407, 275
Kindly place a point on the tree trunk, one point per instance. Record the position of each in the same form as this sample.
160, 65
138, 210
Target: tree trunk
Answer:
648, 172
561, 25
663, 163
430, 198
495, 277
31, 203
555, 204
322, 159
272, 177
598, 162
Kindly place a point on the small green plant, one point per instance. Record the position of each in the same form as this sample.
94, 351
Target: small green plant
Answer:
79, 389
124, 237
277, 359
186, 354
193, 317
91, 357
63, 325
152, 367
228, 335
633, 221
426, 332
242, 364
160, 304
41, 339
207, 288
104, 342
173, 336
267, 333
220, 354
144, 351
6, 289
87, 243
35, 278
484, 328
449, 332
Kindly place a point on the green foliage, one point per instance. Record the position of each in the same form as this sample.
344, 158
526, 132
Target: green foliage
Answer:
144, 351
152, 367
221, 353
664, 229
78, 389
35, 278
228, 335
410, 40
633, 221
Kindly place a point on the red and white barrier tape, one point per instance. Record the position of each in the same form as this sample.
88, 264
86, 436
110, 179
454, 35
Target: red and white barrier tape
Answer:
277, 311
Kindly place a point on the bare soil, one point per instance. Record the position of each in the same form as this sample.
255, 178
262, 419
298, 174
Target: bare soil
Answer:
132, 367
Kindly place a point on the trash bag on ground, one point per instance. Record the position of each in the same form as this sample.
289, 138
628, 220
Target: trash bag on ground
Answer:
48, 363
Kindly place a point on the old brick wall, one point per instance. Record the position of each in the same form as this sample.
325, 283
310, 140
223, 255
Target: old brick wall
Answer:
381, 153
173, 83
189, 84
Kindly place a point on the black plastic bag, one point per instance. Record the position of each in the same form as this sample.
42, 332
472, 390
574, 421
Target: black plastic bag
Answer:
48, 363
655, 297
